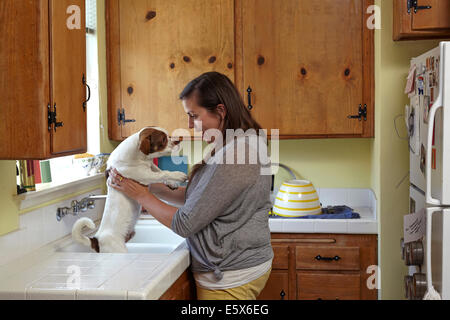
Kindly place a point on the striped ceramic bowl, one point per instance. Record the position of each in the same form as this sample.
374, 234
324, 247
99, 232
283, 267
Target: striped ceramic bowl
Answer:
297, 198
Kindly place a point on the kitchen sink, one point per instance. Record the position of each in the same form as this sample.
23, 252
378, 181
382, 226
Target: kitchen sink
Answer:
150, 237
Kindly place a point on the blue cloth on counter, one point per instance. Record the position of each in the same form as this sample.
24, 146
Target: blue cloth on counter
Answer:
331, 212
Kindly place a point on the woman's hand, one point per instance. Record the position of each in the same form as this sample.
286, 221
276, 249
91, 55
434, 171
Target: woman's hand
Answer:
129, 187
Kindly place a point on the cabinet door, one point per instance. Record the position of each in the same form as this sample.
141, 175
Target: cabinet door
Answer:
433, 23
68, 65
24, 83
304, 63
438, 17
328, 286
182, 289
277, 286
163, 44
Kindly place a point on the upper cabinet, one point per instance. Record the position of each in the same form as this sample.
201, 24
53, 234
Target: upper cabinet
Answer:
42, 70
307, 66
303, 67
155, 47
421, 19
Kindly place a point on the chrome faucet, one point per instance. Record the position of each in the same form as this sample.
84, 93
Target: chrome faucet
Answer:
285, 167
79, 206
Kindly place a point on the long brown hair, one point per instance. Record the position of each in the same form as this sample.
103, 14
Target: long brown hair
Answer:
212, 89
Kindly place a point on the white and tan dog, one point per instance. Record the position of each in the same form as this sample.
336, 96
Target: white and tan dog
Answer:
133, 158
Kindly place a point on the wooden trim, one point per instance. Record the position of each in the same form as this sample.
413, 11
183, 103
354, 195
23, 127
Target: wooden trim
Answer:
114, 95
239, 48
368, 73
292, 273
304, 240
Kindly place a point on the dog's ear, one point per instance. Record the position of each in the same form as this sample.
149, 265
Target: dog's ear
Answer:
144, 140
94, 244
152, 140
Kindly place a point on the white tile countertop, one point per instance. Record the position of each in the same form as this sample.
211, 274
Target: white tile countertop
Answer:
52, 275
367, 224
362, 201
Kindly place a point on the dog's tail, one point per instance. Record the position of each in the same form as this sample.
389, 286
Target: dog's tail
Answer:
76, 231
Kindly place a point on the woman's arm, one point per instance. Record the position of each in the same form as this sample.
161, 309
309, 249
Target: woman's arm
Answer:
165, 193
161, 211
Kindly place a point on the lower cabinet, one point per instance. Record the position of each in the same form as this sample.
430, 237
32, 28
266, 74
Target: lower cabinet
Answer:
182, 289
322, 266
277, 286
310, 267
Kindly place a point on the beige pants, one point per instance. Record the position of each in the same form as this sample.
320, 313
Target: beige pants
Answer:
248, 291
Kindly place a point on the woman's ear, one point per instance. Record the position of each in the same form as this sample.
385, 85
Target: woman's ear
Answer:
222, 110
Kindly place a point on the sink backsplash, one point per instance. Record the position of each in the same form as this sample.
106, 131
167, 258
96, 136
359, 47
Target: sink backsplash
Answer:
40, 227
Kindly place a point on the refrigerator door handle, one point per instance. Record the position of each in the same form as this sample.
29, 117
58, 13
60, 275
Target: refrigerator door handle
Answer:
431, 293
432, 115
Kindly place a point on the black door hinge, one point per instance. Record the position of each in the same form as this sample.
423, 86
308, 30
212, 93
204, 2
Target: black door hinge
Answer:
121, 117
414, 4
51, 115
362, 113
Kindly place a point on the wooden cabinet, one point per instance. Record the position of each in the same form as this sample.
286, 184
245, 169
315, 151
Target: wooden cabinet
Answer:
308, 64
182, 289
322, 266
154, 49
328, 286
277, 286
421, 19
42, 65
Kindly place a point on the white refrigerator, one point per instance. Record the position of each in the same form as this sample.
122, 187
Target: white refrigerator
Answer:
426, 242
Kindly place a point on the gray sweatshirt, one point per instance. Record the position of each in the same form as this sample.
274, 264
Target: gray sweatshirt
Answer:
225, 216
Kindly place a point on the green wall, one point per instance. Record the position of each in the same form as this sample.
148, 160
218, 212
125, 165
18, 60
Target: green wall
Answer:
9, 210
329, 163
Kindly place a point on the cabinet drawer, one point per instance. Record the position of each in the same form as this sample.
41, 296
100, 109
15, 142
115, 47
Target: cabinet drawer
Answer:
327, 258
281, 257
328, 286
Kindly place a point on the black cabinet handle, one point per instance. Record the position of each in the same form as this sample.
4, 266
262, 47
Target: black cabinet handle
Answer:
89, 93
335, 258
249, 98
282, 294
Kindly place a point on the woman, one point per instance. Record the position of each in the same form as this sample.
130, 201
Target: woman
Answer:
224, 212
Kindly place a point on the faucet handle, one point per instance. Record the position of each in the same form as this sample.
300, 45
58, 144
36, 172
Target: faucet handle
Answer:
61, 212
75, 207
91, 204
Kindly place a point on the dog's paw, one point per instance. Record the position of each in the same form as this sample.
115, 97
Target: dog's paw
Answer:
173, 185
178, 176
